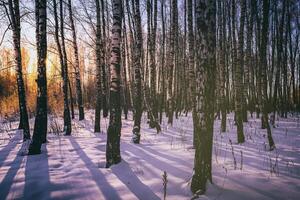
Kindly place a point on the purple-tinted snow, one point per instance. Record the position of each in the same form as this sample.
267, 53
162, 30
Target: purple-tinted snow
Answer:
73, 167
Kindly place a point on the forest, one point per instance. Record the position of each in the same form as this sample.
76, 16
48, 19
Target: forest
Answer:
149, 99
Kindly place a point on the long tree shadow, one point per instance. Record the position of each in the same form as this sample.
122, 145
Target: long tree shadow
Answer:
37, 178
152, 171
108, 191
128, 177
267, 192
8, 148
8, 180
146, 147
157, 162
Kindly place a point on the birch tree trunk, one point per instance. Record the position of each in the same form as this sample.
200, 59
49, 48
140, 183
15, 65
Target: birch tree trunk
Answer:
239, 77
114, 130
222, 66
263, 64
14, 18
234, 55
171, 60
152, 48
192, 65
58, 44
67, 117
77, 67
248, 89
279, 48
40, 124
104, 63
205, 92
162, 93
71, 98
137, 74
99, 63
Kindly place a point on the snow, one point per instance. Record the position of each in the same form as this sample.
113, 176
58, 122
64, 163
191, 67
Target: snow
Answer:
73, 167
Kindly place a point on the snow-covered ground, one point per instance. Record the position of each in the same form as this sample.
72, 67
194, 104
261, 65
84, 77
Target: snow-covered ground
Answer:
73, 167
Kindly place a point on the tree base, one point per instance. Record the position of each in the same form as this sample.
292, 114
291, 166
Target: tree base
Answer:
136, 135
33, 150
272, 147
117, 160
197, 187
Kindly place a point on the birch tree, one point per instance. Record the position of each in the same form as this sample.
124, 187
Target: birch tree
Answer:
40, 124
205, 12
263, 64
99, 63
138, 46
76, 64
13, 14
171, 60
64, 73
114, 129
239, 76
